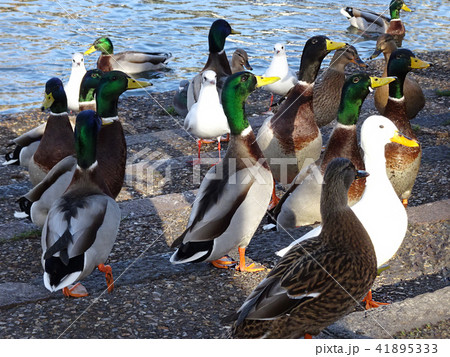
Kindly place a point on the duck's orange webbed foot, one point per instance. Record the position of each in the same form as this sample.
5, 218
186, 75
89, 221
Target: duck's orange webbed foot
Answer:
75, 291
242, 267
223, 263
108, 275
370, 303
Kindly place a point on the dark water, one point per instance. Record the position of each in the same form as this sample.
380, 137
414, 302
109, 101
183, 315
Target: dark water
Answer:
37, 38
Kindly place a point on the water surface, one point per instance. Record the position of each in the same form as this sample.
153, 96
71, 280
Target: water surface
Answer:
38, 37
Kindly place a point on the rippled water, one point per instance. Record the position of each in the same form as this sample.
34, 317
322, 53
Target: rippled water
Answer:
37, 38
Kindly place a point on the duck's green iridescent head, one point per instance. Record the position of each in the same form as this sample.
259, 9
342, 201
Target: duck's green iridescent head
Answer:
354, 92
102, 44
89, 84
400, 63
395, 6
55, 96
87, 126
219, 31
111, 86
235, 91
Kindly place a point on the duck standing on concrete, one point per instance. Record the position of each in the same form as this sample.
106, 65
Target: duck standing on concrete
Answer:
339, 265
233, 196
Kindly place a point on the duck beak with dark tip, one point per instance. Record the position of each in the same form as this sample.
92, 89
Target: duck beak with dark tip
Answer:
48, 101
404, 140
134, 84
359, 62
361, 174
331, 45
376, 82
375, 53
263, 81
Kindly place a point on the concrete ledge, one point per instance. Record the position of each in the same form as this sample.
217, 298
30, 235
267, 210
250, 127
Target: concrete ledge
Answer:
429, 212
388, 320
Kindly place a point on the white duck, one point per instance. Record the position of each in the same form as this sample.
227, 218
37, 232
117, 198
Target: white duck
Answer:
72, 87
379, 210
206, 118
279, 67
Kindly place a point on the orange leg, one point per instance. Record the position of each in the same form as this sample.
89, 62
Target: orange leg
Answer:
76, 291
271, 102
405, 202
242, 267
108, 275
274, 200
308, 336
370, 304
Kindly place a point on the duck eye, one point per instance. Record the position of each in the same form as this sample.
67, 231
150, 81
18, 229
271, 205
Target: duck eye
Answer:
356, 80
244, 78
314, 41
381, 126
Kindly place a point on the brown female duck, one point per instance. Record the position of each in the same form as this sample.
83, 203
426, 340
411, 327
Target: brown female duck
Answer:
318, 281
327, 91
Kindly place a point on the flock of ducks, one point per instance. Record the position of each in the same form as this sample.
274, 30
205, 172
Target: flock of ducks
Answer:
77, 170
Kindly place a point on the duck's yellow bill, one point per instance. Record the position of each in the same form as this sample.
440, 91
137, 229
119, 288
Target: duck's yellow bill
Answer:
234, 32
376, 82
406, 8
90, 50
404, 140
331, 46
134, 84
48, 101
263, 81
417, 63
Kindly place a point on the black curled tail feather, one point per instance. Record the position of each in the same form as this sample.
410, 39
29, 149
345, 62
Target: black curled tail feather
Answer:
60, 246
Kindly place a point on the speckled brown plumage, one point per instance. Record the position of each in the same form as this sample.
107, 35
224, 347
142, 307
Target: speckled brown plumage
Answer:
402, 163
319, 280
328, 88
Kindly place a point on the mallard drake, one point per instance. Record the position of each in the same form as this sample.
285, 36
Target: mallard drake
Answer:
300, 205
291, 135
57, 141
82, 225
206, 118
319, 281
88, 85
130, 62
111, 151
279, 67
234, 194
414, 98
396, 27
369, 21
402, 163
379, 209
217, 59
327, 90
239, 61
72, 87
